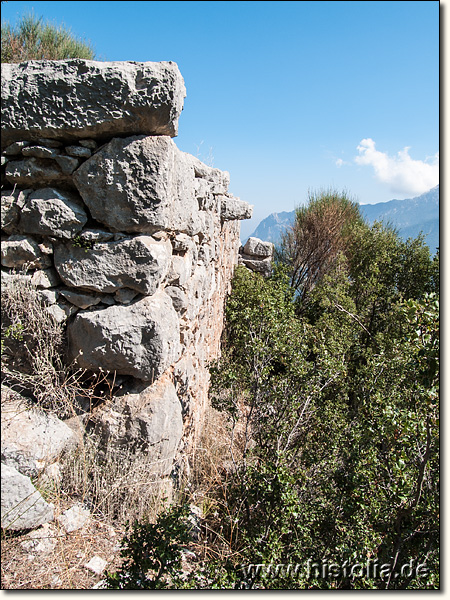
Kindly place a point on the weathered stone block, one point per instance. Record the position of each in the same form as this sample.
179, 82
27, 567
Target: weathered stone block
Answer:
31, 438
259, 265
22, 506
74, 99
12, 203
140, 184
141, 339
35, 172
138, 263
256, 247
20, 251
235, 209
49, 211
148, 420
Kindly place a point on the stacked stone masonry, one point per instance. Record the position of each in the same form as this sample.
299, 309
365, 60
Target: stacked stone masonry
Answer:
131, 242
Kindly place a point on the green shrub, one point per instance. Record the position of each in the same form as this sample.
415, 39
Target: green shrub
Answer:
32, 39
152, 552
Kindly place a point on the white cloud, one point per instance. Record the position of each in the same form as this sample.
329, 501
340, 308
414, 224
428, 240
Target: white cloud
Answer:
403, 174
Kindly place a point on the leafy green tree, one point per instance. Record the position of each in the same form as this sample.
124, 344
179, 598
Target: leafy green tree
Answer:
339, 408
343, 463
32, 39
321, 231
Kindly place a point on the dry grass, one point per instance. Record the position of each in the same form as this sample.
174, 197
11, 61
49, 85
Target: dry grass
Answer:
63, 566
215, 469
34, 347
32, 39
115, 488
115, 484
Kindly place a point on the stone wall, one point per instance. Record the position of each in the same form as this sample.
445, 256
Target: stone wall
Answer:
131, 241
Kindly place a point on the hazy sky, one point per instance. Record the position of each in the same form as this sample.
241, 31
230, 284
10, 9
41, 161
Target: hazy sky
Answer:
287, 96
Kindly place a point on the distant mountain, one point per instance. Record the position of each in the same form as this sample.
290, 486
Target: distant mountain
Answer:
272, 227
409, 217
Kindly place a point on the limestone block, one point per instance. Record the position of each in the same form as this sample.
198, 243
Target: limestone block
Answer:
147, 420
209, 225
61, 311
22, 506
34, 172
194, 288
202, 189
45, 278
140, 184
50, 211
138, 263
12, 203
78, 151
263, 266
81, 300
48, 143
185, 375
182, 243
31, 438
180, 269
19, 251
235, 209
141, 339
256, 247
67, 164
91, 144
106, 99
48, 297
96, 235
218, 180
40, 152
15, 149
125, 295
179, 298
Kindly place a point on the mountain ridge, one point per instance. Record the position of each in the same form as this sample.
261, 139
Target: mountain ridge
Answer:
409, 216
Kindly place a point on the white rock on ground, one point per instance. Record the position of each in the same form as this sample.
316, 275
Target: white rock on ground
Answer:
42, 540
96, 565
74, 518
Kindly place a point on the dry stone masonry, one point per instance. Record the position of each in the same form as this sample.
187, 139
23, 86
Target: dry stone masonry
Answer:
131, 241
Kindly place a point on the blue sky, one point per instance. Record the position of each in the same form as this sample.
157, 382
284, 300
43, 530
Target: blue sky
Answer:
287, 96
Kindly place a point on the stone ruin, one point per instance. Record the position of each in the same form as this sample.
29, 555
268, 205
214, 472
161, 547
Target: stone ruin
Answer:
131, 242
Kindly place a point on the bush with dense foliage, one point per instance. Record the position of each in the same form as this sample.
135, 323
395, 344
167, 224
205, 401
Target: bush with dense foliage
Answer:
32, 39
338, 401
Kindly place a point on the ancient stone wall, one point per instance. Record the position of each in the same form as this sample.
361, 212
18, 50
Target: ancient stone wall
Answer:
131, 241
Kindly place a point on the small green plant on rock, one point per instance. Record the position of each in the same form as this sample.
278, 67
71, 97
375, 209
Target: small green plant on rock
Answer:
81, 242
